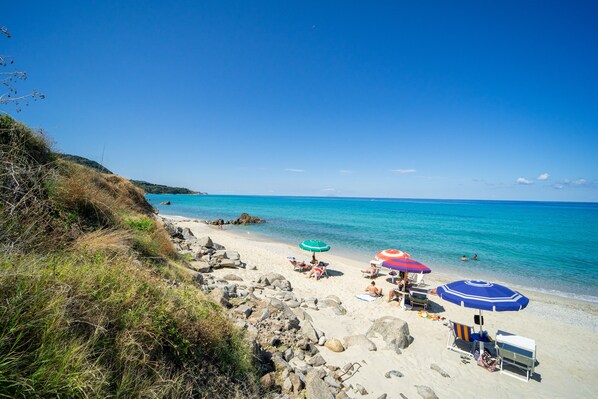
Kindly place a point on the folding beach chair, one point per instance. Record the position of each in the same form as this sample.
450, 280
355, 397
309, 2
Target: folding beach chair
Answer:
417, 279
298, 266
372, 272
461, 333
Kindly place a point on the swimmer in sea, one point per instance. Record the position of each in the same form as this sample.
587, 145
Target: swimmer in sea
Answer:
475, 256
464, 258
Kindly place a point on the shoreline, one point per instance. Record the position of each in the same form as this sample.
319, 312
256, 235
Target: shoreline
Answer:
443, 276
564, 361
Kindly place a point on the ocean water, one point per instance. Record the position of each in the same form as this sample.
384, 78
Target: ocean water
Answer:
545, 246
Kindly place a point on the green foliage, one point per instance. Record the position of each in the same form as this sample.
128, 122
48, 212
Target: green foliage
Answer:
90, 326
142, 224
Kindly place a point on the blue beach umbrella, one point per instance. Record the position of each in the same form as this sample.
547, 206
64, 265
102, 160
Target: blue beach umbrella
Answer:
482, 295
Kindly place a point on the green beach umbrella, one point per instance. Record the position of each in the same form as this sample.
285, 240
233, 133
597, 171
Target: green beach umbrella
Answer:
314, 246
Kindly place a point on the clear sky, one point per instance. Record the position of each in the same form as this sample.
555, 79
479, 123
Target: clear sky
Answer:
424, 99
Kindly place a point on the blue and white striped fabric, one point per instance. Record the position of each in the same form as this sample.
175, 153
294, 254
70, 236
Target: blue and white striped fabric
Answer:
482, 295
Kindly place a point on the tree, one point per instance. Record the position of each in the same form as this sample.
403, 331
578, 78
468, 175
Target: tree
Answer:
9, 79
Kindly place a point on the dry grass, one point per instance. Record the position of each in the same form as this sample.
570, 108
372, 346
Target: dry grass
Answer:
116, 241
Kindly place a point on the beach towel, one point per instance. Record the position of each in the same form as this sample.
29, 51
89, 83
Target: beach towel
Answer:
367, 297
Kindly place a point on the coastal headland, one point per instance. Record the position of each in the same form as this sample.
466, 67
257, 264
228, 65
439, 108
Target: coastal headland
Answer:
564, 361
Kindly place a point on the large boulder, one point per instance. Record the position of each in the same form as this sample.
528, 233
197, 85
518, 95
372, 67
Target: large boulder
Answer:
245, 218
205, 242
394, 331
188, 235
283, 285
220, 296
359, 340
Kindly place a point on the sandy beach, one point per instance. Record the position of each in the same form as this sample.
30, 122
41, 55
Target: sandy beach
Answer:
564, 329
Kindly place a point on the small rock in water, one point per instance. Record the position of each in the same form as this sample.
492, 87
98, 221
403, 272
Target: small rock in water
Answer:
396, 373
437, 368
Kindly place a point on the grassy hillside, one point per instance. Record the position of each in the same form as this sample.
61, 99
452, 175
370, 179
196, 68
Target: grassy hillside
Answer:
149, 188
87, 304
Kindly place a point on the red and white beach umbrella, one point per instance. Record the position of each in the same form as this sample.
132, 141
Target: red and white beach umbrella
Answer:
389, 254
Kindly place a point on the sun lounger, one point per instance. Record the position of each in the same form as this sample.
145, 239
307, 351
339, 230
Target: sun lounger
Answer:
417, 279
298, 266
516, 351
418, 299
373, 271
461, 333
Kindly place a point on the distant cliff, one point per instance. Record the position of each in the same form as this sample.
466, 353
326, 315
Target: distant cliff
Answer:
149, 188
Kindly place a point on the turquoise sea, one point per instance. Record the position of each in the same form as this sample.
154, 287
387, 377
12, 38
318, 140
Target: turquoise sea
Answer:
546, 246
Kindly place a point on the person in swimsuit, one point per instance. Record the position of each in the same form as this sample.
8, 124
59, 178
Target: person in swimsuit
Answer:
373, 290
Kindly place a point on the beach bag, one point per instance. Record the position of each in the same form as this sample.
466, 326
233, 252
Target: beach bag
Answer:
486, 361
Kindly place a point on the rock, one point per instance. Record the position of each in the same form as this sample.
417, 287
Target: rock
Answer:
322, 340
359, 340
275, 341
403, 396
268, 381
233, 264
288, 354
426, 392
331, 382
188, 234
334, 345
276, 304
293, 304
339, 310
383, 396
165, 203
232, 277
220, 297
360, 389
280, 363
316, 361
199, 266
265, 314
394, 331
287, 385
302, 314
296, 382
283, 285
440, 371
335, 299
205, 242
251, 267
309, 332
342, 395
245, 218
348, 367
244, 309
316, 388
232, 255
396, 373
300, 355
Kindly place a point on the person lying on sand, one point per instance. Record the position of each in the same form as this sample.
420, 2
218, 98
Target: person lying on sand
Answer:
373, 290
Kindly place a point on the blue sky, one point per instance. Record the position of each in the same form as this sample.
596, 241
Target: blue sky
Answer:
389, 99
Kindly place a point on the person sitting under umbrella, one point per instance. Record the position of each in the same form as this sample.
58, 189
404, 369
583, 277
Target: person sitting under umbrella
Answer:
373, 290
403, 287
314, 261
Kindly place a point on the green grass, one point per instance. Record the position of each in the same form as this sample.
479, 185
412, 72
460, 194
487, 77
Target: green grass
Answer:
93, 326
140, 224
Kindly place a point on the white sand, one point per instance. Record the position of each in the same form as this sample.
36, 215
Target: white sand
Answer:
564, 330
